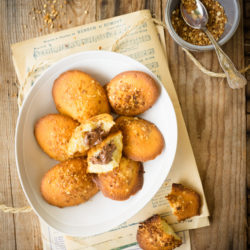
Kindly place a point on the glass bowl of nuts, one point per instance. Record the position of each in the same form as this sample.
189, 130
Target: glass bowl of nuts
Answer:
224, 17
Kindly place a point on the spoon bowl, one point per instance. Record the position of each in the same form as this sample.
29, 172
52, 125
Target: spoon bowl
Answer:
197, 18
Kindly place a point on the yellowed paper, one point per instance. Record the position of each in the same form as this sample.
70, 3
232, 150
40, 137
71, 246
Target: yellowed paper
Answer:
53, 240
142, 44
127, 242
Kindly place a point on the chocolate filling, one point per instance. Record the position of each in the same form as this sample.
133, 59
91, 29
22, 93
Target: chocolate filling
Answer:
105, 156
94, 137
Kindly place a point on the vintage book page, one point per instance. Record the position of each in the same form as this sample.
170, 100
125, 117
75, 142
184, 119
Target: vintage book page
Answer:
142, 44
53, 240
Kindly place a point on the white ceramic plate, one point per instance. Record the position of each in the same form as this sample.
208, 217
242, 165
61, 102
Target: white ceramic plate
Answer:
99, 214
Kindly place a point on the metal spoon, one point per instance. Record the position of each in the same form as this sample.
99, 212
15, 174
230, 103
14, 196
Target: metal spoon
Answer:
198, 19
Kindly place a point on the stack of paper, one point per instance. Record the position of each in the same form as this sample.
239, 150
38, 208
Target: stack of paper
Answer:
145, 43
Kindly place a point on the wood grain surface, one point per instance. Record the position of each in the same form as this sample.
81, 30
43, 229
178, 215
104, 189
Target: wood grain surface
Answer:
214, 114
247, 61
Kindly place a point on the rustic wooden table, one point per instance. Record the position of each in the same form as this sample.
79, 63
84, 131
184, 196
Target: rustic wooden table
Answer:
214, 114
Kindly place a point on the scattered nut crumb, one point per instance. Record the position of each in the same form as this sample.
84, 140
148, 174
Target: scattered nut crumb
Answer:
50, 11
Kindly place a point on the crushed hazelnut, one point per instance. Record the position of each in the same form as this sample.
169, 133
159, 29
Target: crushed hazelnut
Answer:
216, 22
50, 11
189, 5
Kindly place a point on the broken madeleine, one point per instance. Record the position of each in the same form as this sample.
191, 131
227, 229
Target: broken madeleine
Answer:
155, 234
105, 156
89, 134
185, 202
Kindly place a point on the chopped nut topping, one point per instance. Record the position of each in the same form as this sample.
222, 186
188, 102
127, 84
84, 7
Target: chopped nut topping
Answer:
189, 5
216, 23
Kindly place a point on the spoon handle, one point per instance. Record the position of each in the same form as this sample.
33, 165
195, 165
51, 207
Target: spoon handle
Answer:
234, 78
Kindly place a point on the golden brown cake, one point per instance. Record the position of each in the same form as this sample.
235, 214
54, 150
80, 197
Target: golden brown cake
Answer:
53, 133
68, 184
132, 92
121, 182
79, 96
142, 140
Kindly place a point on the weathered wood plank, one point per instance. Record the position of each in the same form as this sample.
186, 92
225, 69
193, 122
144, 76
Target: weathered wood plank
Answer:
248, 162
248, 202
19, 231
248, 106
7, 230
109, 8
248, 123
247, 62
247, 9
247, 46
215, 118
80, 12
105, 9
